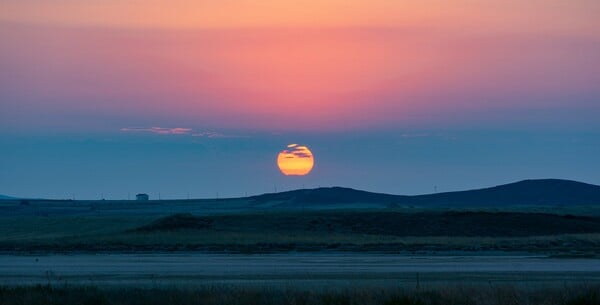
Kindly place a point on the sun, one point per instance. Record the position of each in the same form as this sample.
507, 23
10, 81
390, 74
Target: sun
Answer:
295, 160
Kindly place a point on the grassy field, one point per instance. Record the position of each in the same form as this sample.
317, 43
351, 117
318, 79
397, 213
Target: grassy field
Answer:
238, 295
391, 231
297, 231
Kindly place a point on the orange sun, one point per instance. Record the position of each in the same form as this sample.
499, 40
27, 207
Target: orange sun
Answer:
295, 160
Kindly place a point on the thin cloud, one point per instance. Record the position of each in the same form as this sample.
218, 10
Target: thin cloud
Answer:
302, 155
297, 151
158, 130
210, 134
177, 131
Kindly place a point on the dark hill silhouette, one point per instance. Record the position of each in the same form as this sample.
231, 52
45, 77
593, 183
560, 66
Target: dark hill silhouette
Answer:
526, 192
326, 195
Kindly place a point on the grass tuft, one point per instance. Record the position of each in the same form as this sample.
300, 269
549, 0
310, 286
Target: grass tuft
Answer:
244, 295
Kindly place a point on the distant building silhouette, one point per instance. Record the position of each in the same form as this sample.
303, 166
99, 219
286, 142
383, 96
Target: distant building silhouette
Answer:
142, 197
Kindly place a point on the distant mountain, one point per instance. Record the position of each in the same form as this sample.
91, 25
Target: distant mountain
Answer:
6, 197
526, 192
326, 195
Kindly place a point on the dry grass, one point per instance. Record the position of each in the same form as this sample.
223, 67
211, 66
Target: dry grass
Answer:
244, 295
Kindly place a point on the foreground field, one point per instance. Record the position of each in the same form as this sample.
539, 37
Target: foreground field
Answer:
389, 231
297, 250
309, 268
268, 295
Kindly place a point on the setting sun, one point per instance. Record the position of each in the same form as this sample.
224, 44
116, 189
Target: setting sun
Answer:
295, 160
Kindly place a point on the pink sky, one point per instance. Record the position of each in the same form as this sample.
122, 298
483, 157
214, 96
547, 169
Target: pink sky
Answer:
276, 66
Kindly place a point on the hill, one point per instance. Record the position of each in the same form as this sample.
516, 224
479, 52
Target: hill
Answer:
542, 192
526, 192
555, 217
326, 195
548, 196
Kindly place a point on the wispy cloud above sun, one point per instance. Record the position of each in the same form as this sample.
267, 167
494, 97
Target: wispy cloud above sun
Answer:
296, 151
177, 131
158, 130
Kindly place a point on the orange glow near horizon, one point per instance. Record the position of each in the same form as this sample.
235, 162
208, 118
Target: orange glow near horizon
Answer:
561, 15
296, 160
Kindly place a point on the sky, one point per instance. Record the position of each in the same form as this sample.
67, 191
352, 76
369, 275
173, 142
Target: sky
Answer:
106, 98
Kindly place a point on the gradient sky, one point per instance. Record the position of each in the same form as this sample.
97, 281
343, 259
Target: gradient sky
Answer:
115, 97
